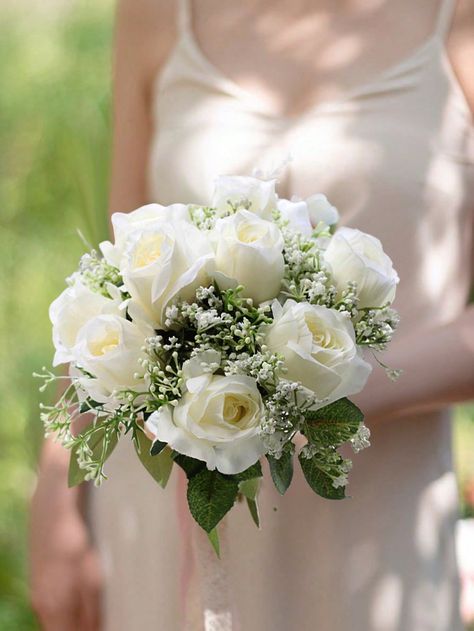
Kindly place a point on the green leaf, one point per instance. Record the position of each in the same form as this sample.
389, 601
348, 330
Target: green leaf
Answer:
319, 476
191, 466
159, 467
255, 471
210, 496
76, 475
333, 424
157, 447
254, 512
213, 537
249, 489
281, 470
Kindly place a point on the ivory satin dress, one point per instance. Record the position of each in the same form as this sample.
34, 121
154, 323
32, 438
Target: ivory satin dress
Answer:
396, 157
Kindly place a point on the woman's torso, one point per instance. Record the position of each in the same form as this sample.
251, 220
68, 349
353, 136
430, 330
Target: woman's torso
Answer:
395, 155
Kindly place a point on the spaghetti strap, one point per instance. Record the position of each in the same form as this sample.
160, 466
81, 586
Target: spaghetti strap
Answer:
184, 15
445, 17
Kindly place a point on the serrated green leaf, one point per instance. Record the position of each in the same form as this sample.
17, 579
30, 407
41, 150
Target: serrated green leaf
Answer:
255, 471
333, 424
213, 537
76, 475
319, 479
159, 467
281, 470
210, 496
339, 410
191, 466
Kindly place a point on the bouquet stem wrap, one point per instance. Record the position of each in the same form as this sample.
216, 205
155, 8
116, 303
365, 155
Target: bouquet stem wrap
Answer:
213, 577
205, 589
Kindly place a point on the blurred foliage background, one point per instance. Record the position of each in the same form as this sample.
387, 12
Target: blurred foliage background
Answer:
54, 141
54, 148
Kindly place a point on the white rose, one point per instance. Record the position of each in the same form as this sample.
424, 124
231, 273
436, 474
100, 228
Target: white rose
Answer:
217, 421
110, 348
321, 210
319, 349
70, 311
125, 223
249, 193
353, 255
168, 260
249, 252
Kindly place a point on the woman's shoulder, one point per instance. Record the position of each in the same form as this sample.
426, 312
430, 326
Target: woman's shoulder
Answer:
461, 47
148, 28
149, 13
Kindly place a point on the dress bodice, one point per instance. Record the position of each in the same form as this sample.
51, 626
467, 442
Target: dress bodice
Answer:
394, 155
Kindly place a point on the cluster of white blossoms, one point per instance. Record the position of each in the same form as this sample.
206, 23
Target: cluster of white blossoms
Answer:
220, 333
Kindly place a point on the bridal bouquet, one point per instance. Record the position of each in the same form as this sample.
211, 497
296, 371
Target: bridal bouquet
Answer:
212, 336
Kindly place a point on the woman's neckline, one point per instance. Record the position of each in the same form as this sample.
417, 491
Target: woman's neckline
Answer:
187, 36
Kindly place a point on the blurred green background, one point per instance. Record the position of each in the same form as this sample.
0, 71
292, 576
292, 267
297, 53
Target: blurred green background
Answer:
54, 150
54, 142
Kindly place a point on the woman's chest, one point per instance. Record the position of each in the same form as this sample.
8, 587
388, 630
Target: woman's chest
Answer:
361, 152
395, 167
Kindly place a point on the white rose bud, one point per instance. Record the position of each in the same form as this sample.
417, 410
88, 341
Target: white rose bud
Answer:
319, 349
249, 193
306, 215
217, 421
353, 255
321, 210
110, 348
70, 311
296, 213
249, 253
167, 261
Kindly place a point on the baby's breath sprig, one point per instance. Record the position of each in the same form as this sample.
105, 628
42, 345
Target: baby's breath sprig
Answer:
96, 273
348, 301
93, 446
58, 418
163, 369
284, 415
203, 217
305, 277
361, 440
48, 378
222, 320
375, 327
263, 366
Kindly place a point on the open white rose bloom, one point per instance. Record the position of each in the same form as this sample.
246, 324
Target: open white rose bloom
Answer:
213, 336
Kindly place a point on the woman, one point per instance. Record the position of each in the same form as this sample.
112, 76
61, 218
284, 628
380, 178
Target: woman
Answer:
372, 100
